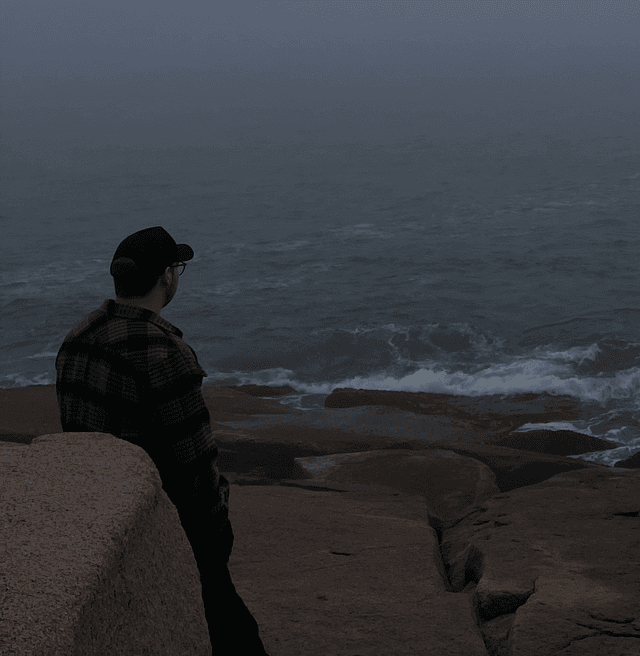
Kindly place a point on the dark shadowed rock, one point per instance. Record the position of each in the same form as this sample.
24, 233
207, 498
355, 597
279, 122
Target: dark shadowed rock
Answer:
632, 462
559, 443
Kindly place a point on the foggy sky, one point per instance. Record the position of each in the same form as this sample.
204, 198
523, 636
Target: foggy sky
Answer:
141, 56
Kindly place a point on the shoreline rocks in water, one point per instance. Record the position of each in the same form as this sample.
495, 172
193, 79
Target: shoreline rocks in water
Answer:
489, 412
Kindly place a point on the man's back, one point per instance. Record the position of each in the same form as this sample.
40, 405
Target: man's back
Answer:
124, 370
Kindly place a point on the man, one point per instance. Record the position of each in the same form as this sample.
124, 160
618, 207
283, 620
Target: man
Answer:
126, 371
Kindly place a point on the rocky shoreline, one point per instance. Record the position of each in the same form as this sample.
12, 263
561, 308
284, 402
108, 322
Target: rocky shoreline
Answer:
393, 522
31, 411
493, 417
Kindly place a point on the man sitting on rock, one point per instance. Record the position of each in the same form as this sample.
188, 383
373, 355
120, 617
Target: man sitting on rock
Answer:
126, 371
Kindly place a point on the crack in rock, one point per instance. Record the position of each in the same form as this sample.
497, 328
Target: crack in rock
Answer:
462, 571
604, 630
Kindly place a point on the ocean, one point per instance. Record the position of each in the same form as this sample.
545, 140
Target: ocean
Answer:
421, 252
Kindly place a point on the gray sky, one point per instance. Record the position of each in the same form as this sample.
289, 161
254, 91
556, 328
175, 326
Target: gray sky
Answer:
142, 55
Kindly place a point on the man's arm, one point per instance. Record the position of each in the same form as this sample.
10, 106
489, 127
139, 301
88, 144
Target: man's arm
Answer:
185, 453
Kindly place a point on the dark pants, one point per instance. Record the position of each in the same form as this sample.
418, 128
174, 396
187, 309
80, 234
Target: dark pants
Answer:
232, 628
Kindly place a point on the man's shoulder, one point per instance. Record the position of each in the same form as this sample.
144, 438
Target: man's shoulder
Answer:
143, 343
148, 347
114, 331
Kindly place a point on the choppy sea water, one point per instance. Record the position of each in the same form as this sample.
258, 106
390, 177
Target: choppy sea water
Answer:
482, 263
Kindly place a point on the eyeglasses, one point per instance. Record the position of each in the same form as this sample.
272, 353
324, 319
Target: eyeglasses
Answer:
181, 264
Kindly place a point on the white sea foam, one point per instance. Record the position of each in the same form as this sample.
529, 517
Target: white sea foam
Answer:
520, 376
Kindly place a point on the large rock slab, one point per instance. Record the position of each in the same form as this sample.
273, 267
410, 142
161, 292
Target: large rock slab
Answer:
327, 458
492, 411
450, 484
541, 580
554, 565
327, 574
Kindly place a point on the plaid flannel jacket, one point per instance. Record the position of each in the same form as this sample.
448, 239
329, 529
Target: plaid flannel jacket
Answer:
124, 370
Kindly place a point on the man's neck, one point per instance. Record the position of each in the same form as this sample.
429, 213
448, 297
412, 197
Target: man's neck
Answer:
147, 305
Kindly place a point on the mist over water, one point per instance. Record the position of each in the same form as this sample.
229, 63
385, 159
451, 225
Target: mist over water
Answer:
375, 206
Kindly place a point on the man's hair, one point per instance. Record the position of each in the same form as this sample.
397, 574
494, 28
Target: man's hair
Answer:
134, 286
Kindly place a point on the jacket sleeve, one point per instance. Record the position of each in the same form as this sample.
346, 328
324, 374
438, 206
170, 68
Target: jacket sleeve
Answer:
182, 445
179, 421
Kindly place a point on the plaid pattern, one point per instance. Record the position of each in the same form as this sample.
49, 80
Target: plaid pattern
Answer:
124, 370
